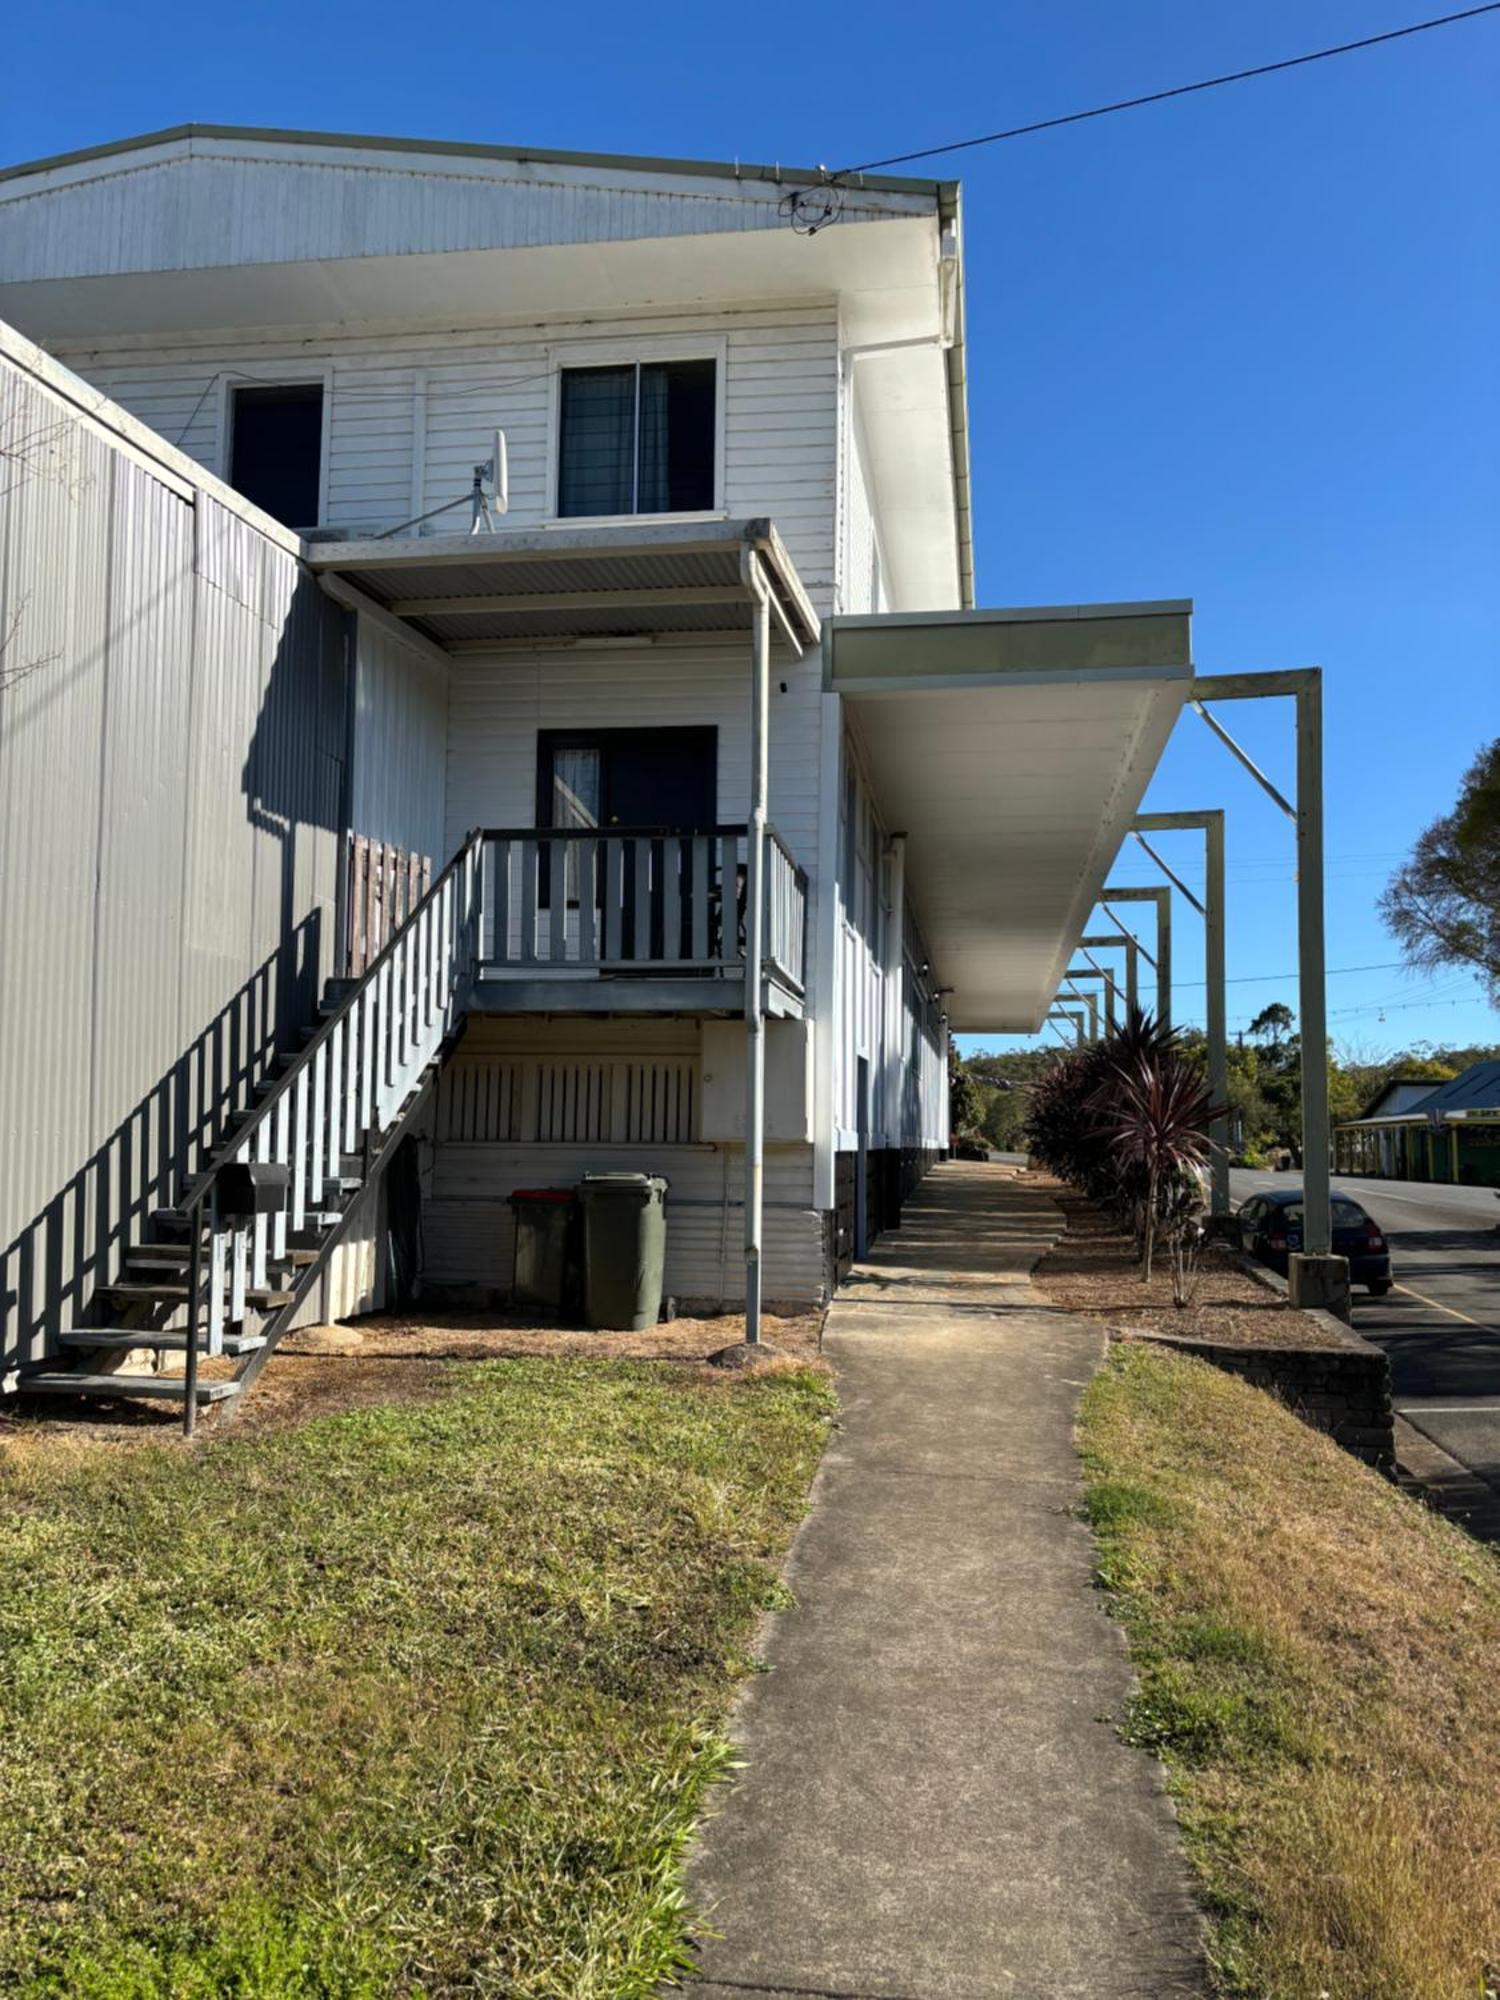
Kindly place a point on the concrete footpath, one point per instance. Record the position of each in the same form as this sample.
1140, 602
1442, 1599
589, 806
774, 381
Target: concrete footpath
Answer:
934, 1804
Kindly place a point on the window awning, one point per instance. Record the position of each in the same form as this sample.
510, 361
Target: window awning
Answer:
1012, 748
467, 593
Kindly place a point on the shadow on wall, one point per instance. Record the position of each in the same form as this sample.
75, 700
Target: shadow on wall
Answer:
50, 1270
213, 697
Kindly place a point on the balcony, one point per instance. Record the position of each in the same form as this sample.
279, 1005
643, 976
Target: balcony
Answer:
633, 920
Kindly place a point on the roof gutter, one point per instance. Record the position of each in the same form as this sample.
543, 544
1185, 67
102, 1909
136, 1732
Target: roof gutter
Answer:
950, 217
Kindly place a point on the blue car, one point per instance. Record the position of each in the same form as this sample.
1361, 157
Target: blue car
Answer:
1271, 1229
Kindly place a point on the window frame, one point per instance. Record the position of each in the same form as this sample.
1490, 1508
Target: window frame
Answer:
633, 353
274, 375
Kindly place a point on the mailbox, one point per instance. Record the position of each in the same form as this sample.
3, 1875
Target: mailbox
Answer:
247, 1188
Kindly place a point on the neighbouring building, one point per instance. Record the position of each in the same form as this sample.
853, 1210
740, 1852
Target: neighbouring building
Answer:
1418, 1130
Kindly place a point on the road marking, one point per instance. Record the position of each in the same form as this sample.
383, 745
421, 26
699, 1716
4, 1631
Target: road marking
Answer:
1451, 1311
1415, 1410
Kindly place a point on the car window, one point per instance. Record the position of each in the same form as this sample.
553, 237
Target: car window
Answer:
1348, 1215
1290, 1215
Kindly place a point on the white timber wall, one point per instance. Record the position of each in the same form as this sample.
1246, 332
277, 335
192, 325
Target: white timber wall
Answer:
531, 1103
407, 416
900, 1035
499, 701
862, 573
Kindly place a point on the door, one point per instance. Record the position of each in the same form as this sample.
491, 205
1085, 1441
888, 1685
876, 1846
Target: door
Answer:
659, 778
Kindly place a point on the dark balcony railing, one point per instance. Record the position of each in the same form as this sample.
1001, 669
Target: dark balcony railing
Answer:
634, 900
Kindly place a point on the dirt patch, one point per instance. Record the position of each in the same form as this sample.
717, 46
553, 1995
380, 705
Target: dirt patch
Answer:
496, 1335
322, 1371
1092, 1270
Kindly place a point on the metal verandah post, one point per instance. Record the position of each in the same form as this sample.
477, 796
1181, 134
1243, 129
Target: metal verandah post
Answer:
755, 1026
1211, 824
1312, 1000
1305, 684
1217, 1013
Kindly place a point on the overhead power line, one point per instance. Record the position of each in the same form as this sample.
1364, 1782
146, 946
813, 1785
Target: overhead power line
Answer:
1177, 90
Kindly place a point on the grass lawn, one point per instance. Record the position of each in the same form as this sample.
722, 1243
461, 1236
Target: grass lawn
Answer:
419, 1699
1319, 1660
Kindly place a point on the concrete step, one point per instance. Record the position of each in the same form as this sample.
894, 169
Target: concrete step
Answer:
121, 1339
160, 1388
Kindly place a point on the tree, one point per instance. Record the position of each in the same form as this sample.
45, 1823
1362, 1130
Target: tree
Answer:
963, 1095
1273, 1023
1443, 905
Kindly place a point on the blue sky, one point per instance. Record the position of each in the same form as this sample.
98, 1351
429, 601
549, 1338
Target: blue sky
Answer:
1241, 347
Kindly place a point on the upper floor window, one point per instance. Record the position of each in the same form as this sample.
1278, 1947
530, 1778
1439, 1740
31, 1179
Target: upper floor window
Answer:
638, 438
276, 449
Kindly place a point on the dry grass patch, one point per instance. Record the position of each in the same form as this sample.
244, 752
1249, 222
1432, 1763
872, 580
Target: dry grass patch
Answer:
1316, 1657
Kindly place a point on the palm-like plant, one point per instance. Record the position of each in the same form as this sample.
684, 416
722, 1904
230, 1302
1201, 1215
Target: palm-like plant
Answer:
1156, 1118
1127, 1123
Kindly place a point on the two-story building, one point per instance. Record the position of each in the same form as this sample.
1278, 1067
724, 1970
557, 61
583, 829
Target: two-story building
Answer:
575, 550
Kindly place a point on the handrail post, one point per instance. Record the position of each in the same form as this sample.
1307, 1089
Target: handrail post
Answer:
190, 1371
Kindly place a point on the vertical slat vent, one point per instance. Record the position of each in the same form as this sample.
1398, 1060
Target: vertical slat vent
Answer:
577, 1101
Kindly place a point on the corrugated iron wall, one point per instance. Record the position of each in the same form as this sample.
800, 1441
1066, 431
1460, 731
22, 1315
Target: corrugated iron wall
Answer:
174, 720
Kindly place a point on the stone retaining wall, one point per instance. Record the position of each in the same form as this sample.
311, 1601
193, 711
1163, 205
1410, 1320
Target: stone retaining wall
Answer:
1343, 1389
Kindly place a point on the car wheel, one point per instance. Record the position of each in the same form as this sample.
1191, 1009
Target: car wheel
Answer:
1380, 1287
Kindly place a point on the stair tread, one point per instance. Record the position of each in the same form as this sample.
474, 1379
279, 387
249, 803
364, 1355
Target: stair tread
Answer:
173, 1256
126, 1337
168, 1294
162, 1388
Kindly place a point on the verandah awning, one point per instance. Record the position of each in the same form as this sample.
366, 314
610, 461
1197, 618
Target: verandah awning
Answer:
1013, 749
474, 592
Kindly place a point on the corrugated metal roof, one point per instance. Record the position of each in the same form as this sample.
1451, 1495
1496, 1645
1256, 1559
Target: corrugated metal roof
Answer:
737, 170
572, 583
1478, 1088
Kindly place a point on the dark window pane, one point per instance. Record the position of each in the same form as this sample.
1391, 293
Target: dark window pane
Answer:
676, 437
276, 450
596, 462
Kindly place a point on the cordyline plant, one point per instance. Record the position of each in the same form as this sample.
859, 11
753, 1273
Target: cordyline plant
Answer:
1126, 1122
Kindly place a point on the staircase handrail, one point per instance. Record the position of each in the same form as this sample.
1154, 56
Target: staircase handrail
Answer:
233, 1147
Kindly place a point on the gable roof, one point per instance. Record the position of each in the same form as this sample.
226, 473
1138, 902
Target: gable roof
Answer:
740, 170
198, 227
1399, 1094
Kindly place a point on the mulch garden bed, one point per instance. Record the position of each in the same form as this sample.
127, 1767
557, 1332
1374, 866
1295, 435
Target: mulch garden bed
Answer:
1092, 1270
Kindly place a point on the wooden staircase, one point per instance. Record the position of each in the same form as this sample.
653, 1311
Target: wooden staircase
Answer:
207, 1284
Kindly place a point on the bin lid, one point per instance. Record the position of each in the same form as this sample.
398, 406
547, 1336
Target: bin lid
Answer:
633, 1184
540, 1194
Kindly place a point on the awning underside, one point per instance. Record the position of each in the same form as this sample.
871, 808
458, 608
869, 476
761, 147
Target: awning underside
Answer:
1014, 776
466, 592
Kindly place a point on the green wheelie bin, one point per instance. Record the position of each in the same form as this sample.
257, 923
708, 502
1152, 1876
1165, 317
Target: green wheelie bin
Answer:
624, 1249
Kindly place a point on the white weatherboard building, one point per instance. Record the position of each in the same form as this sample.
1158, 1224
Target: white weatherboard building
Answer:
673, 723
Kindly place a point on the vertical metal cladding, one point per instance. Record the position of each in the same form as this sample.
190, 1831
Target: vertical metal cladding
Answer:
172, 747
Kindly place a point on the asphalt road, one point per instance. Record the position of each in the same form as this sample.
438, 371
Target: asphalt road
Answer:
1441, 1324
